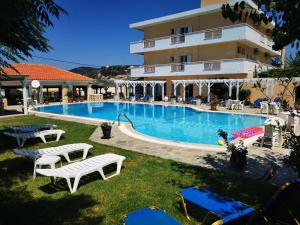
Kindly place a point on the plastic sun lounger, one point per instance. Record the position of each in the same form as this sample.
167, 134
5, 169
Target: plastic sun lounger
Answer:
149, 216
22, 137
62, 150
30, 128
78, 169
226, 209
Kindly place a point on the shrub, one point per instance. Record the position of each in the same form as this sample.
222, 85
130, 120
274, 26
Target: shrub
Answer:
292, 142
244, 94
238, 158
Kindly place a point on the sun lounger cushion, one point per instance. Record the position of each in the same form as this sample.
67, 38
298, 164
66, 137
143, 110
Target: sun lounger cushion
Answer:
22, 137
30, 128
148, 216
227, 209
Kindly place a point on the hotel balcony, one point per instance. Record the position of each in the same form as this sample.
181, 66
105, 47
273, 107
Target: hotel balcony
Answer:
241, 32
232, 66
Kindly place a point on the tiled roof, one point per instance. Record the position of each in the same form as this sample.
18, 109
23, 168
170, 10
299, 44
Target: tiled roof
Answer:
44, 72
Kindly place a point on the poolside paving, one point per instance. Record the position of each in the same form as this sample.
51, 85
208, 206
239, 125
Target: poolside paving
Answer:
259, 159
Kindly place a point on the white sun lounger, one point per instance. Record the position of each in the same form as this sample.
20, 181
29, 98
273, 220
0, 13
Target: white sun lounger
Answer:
78, 169
22, 137
62, 150
31, 128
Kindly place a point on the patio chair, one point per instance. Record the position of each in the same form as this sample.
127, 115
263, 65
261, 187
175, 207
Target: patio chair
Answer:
229, 210
146, 98
264, 107
226, 209
78, 169
274, 108
230, 104
240, 105
62, 150
189, 100
256, 103
22, 137
30, 128
149, 216
269, 135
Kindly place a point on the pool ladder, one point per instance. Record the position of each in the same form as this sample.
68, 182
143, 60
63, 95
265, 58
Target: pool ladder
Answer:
126, 117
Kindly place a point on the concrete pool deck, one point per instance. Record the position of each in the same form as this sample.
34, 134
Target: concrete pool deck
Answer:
259, 159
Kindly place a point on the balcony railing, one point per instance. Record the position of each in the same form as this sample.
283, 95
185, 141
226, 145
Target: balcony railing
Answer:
149, 69
212, 66
213, 34
177, 39
149, 43
225, 66
238, 32
177, 67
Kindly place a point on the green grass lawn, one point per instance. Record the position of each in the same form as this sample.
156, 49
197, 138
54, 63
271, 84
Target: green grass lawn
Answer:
144, 181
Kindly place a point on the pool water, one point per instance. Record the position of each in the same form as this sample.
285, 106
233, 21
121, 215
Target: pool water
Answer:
175, 123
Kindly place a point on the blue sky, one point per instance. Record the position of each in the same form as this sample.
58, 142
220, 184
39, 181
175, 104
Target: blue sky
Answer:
96, 32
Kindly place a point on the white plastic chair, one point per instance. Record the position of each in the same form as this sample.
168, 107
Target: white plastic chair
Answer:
240, 105
22, 137
78, 169
264, 107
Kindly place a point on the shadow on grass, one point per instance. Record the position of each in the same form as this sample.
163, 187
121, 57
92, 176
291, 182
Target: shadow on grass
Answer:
19, 207
61, 183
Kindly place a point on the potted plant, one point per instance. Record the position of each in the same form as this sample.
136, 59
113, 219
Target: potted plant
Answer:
238, 158
173, 99
292, 143
198, 100
81, 99
70, 96
106, 130
214, 103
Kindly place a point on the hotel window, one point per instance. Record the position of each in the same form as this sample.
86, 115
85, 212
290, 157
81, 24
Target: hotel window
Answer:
172, 59
210, 66
241, 50
213, 34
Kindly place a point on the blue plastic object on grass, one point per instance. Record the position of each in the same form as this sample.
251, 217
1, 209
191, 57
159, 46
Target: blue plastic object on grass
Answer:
149, 216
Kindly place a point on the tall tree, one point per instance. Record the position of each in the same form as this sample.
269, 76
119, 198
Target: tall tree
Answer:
284, 13
22, 28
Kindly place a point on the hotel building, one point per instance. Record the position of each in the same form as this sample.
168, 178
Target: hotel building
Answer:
200, 44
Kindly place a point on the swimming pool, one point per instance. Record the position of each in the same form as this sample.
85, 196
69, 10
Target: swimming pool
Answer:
174, 123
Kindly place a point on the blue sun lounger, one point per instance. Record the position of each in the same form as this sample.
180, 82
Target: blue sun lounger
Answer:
226, 209
149, 216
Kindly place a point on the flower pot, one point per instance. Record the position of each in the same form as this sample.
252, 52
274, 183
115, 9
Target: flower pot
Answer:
106, 130
213, 107
173, 100
70, 100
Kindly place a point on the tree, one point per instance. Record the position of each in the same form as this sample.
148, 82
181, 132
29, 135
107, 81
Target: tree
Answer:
22, 27
284, 13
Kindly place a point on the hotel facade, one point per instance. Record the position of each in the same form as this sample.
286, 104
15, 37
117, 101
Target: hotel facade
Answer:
200, 44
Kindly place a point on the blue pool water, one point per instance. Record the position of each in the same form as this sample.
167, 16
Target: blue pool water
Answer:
174, 123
